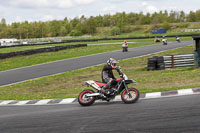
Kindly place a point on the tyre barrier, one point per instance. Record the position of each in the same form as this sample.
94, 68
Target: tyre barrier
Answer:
40, 50
156, 63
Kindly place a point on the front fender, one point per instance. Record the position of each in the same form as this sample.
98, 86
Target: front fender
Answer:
130, 81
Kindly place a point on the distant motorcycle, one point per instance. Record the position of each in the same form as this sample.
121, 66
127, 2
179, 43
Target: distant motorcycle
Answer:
157, 40
124, 49
164, 40
125, 46
178, 39
128, 95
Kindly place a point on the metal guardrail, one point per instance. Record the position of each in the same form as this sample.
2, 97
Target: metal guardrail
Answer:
172, 61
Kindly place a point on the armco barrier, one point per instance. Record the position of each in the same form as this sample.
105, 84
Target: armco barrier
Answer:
172, 61
40, 50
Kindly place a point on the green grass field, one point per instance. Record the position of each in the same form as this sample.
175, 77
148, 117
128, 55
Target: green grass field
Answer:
70, 84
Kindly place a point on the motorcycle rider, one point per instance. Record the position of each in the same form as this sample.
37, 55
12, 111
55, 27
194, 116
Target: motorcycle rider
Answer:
125, 46
108, 76
164, 40
178, 39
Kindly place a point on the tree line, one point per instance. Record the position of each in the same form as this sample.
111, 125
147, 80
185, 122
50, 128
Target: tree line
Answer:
83, 25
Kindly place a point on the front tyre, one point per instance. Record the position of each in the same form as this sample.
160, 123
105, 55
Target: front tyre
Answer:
132, 97
84, 100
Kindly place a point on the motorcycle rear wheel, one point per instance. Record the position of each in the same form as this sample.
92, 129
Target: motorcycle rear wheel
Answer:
135, 94
84, 100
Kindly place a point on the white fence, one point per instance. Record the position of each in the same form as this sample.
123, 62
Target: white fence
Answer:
191, 30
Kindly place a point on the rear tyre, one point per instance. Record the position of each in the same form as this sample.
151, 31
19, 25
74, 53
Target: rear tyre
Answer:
132, 98
84, 100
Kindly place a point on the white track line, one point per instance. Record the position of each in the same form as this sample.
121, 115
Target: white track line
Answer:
6, 102
22, 102
42, 102
66, 101
185, 92
153, 95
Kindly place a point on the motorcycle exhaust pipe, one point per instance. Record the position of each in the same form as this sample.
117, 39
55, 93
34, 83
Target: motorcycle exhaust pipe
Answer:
93, 95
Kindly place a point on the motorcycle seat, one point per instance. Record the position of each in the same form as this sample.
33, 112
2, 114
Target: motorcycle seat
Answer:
100, 84
119, 79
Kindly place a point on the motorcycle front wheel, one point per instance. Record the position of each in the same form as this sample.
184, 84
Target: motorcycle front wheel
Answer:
84, 100
132, 97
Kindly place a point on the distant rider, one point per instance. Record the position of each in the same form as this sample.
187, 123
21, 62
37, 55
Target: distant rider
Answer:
164, 40
108, 76
125, 46
178, 39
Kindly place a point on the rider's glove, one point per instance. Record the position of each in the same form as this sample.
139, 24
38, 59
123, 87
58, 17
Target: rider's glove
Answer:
118, 69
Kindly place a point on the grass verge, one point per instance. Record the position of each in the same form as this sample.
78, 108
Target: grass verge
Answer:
69, 84
21, 61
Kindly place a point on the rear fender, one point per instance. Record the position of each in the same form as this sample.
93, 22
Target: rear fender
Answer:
92, 84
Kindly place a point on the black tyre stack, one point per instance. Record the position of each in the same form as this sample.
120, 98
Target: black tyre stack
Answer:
151, 63
156, 63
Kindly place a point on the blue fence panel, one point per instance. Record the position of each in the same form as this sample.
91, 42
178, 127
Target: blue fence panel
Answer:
159, 31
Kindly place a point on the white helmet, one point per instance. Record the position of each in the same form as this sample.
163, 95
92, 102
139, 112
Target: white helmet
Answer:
112, 62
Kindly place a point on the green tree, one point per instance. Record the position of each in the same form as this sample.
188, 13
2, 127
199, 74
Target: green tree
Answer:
55, 27
99, 21
67, 25
74, 22
3, 22
115, 31
91, 25
198, 15
182, 16
171, 17
75, 33
132, 18
192, 17
79, 28
107, 20
166, 25
3, 28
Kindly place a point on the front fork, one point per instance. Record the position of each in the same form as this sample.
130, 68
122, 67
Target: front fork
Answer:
126, 88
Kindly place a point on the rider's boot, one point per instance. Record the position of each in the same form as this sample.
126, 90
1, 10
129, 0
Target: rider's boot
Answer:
104, 91
107, 86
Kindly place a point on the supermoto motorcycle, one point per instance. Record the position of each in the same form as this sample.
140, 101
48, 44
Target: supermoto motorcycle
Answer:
128, 95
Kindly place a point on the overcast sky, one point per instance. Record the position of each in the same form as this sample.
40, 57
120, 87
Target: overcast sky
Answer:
44, 10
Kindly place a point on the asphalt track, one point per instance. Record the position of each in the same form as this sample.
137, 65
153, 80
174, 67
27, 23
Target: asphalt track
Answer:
164, 115
36, 71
